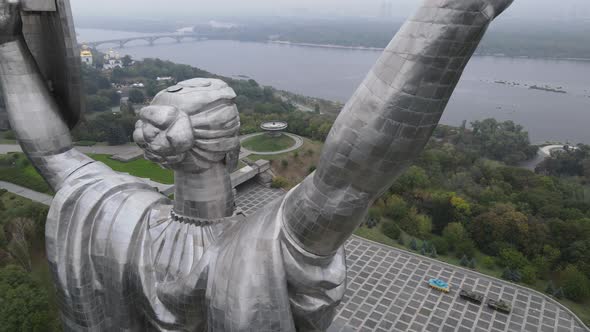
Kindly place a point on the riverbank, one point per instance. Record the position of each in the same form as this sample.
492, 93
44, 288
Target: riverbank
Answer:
380, 49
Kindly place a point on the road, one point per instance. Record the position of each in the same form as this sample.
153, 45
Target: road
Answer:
542, 153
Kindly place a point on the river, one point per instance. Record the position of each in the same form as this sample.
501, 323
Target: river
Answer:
495, 87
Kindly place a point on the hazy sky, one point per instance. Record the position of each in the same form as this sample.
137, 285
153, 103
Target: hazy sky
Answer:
402, 8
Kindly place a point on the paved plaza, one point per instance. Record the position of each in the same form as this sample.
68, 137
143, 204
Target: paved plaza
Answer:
387, 291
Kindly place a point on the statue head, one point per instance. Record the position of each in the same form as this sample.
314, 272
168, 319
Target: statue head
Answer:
191, 126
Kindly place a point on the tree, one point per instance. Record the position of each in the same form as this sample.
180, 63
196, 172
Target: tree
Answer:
423, 251
465, 247
96, 103
415, 177
442, 247
413, 244
116, 136
391, 230
529, 274
511, 275
19, 231
503, 223
136, 96
433, 253
559, 294
512, 259
127, 61
472, 264
454, 233
464, 261
25, 303
576, 285
503, 141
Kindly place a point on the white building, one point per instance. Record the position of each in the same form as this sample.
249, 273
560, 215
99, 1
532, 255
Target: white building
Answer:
112, 60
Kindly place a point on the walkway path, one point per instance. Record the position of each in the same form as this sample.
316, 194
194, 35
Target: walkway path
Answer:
298, 144
543, 153
27, 193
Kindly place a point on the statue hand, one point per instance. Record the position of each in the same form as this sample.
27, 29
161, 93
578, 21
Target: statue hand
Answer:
10, 21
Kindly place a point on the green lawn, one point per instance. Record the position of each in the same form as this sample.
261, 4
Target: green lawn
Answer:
141, 168
266, 143
25, 176
582, 310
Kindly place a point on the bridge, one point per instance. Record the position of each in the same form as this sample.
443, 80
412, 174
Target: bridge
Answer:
149, 39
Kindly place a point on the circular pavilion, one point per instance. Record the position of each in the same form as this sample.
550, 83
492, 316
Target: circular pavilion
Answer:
274, 128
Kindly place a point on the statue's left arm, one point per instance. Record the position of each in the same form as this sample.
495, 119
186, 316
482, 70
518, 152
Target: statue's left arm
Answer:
32, 111
387, 122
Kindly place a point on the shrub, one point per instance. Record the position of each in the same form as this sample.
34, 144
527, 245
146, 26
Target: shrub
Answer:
311, 169
413, 244
464, 261
512, 259
391, 230
511, 275
284, 163
550, 288
280, 182
433, 253
576, 285
488, 262
472, 264
441, 245
529, 274
465, 248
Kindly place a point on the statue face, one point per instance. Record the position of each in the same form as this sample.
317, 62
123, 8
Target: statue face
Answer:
190, 126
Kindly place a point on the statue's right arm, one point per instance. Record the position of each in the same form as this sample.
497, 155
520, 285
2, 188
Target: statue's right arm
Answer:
387, 122
32, 111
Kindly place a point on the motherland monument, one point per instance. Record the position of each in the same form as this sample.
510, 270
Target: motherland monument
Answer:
126, 258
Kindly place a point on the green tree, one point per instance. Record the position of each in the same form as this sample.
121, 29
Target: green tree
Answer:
127, 61
413, 244
25, 303
576, 285
454, 233
391, 230
529, 274
441, 245
464, 261
414, 178
434, 253
465, 247
550, 288
504, 141
136, 96
512, 259
96, 103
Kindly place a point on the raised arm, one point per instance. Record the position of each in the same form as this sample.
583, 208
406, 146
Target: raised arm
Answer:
32, 111
387, 122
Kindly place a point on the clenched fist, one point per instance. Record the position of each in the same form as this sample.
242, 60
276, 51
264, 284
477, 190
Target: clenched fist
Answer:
10, 21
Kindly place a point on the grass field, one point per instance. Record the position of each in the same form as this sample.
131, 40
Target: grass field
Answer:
23, 174
141, 168
265, 143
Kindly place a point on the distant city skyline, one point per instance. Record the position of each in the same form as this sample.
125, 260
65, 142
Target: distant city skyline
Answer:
539, 9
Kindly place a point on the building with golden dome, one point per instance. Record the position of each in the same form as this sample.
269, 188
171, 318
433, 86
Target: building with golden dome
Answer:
86, 56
